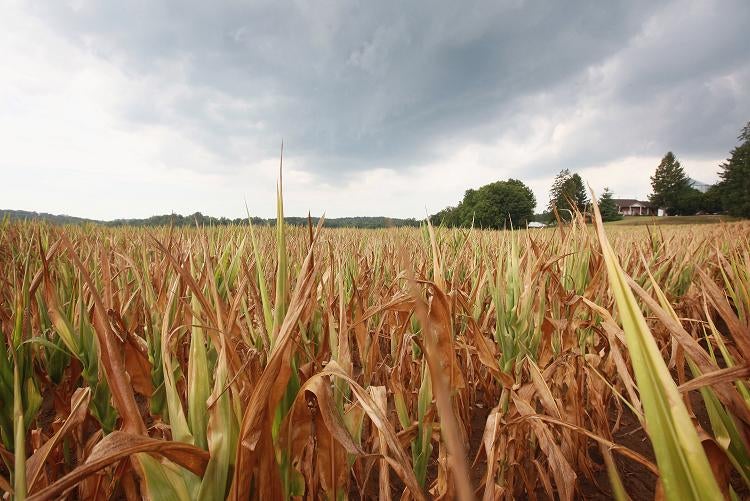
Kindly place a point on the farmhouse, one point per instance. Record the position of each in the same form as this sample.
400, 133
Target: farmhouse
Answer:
632, 207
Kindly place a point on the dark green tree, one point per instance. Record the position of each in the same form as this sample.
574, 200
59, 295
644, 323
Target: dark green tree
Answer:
712, 202
687, 202
735, 177
669, 184
567, 194
446, 217
608, 207
496, 205
578, 192
558, 185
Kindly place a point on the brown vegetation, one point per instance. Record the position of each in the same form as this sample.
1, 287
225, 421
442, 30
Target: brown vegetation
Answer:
403, 363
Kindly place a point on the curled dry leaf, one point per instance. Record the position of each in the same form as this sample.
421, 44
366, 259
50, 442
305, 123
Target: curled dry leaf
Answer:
120, 445
78, 410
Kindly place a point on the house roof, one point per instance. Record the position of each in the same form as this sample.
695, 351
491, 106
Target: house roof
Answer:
629, 202
698, 185
694, 182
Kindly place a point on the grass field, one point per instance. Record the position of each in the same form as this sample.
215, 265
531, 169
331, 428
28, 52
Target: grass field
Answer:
671, 220
312, 363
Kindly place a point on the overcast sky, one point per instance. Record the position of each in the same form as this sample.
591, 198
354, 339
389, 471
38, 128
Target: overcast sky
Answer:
127, 109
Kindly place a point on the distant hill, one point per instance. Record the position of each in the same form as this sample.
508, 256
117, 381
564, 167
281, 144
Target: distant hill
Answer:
42, 216
200, 219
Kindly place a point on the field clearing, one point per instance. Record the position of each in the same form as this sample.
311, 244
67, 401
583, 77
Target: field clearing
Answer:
314, 363
672, 220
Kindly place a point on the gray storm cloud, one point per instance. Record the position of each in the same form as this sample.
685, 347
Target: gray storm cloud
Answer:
357, 85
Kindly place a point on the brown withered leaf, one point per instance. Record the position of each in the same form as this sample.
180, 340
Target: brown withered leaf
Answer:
441, 324
138, 366
726, 392
489, 442
78, 409
717, 457
271, 384
380, 396
563, 473
5, 485
122, 392
545, 394
445, 374
396, 458
740, 333
718, 376
120, 445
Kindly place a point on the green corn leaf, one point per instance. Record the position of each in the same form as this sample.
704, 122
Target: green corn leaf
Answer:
222, 436
198, 381
177, 420
164, 480
267, 315
281, 273
685, 471
19, 443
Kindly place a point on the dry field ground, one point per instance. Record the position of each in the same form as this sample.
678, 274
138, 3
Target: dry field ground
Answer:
403, 363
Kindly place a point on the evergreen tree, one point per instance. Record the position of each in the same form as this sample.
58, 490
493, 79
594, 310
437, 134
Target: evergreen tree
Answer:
608, 208
735, 177
669, 183
567, 194
558, 186
577, 192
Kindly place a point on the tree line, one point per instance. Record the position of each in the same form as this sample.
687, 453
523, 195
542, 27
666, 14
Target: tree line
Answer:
510, 204
199, 219
672, 189
203, 220
506, 204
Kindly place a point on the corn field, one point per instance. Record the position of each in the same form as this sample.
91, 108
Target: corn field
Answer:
311, 363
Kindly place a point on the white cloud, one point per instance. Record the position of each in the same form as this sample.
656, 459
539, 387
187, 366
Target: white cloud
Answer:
86, 132
66, 149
